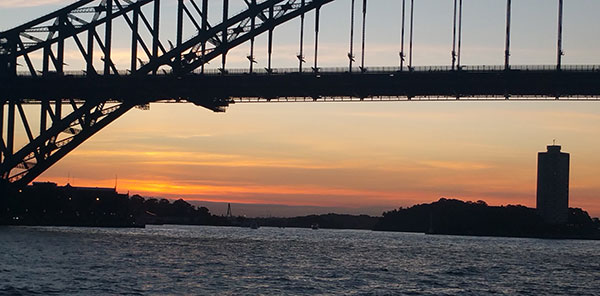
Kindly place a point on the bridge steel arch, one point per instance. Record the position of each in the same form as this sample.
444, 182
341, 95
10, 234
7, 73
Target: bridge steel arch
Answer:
69, 118
74, 106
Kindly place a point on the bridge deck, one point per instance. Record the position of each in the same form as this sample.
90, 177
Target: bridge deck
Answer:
377, 84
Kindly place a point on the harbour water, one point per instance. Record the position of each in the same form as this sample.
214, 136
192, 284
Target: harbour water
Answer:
193, 260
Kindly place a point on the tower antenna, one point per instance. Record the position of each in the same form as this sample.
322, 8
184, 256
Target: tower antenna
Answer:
229, 214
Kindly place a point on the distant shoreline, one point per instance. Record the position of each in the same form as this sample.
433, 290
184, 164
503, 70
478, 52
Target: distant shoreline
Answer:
46, 204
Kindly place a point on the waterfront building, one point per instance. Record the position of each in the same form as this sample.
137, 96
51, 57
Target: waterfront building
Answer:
553, 185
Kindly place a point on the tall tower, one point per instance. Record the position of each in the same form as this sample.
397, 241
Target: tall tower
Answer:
553, 185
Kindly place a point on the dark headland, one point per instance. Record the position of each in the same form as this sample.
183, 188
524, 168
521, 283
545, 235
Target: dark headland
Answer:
46, 204
455, 217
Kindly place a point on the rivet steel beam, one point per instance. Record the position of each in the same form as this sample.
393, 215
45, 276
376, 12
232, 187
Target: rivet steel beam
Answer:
180, 11
224, 35
507, 45
2, 144
351, 52
89, 61
316, 58
460, 18
108, 38
560, 52
10, 129
43, 116
204, 29
301, 54
412, 16
402, 53
270, 40
364, 36
156, 32
454, 24
46, 60
252, 40
135, 36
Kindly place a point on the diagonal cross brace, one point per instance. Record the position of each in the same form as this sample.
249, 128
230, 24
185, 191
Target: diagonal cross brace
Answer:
76, 30
257, 31
42, 152
204, 36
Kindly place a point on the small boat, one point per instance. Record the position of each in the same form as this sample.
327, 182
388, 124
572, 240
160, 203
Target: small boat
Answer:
315, 226
254, 225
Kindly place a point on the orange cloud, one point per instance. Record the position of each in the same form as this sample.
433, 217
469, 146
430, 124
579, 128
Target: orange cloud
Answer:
456, 165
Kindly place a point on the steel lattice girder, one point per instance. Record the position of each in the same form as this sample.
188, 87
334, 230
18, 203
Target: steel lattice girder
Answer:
68, 13
66, 24
62, 25
237, 33
91, 114
46, 149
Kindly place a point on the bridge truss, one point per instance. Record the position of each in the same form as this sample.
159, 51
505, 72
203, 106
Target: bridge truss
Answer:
82, 24
74, 106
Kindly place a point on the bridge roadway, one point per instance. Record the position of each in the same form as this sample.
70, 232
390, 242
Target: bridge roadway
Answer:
216, 90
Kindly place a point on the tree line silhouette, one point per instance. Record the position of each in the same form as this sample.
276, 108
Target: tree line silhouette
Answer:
49, 204
455, 217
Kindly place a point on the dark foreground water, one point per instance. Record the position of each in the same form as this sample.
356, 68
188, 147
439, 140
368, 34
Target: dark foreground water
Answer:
163, 260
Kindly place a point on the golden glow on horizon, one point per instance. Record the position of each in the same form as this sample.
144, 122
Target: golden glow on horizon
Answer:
386, 155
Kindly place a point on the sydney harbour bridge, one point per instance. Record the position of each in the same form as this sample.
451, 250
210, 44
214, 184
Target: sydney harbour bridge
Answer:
73, 106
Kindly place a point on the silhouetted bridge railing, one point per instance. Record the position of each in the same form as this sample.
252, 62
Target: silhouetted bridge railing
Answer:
75, 105
354, 70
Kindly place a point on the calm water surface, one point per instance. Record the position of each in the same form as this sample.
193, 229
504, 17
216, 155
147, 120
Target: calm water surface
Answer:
194, 260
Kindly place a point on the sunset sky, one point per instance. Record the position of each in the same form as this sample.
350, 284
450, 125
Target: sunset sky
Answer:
366, 157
